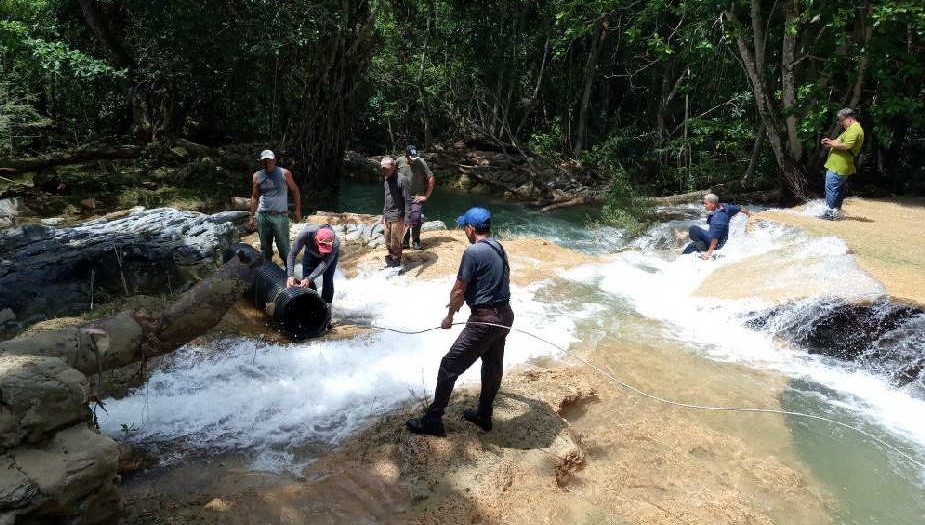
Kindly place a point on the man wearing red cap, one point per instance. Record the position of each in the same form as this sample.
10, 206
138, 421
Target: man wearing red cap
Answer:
322, 249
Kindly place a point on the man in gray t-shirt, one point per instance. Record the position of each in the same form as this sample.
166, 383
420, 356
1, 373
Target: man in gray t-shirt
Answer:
416, 171
483, 282
396, 208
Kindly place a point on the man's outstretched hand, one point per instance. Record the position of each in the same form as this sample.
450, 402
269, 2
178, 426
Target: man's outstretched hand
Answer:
446, 323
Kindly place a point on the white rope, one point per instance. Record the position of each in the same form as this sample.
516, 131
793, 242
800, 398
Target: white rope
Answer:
692, 406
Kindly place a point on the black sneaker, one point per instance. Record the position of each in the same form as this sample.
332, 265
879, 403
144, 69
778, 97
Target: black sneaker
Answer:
426, 426
472, 416
393, 263
417, 245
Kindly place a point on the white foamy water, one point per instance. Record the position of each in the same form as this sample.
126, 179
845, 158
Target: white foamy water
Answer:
276, 399
659, 285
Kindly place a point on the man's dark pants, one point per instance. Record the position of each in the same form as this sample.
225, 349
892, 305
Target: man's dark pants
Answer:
475, 341
327, 278
699, 240
415, 221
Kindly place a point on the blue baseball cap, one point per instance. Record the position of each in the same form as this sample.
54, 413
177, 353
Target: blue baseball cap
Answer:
411, 150
475, 217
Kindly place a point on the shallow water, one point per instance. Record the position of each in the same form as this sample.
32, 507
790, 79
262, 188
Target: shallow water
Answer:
280, 403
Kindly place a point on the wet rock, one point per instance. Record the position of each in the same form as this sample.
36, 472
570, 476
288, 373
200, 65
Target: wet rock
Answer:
887, 338
47, 272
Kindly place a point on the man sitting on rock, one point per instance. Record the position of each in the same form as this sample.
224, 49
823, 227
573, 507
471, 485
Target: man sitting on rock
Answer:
718, 217
322, 250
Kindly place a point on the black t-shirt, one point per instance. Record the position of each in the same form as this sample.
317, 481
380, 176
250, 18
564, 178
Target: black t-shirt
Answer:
485, 270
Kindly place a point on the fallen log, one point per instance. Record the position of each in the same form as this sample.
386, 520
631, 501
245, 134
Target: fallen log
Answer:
127, 151
682, 198
577, 201
133, 335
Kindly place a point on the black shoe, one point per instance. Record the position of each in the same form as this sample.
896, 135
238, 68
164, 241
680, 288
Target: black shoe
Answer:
471, 415
417, 245
393, 263
426, 426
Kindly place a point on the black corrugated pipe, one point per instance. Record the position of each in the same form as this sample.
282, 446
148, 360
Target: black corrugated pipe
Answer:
299, 312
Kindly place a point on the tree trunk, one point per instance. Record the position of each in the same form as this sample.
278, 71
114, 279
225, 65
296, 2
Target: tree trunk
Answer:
100, 22
597, 41
756, 152
328, 86
788, 83
793, 178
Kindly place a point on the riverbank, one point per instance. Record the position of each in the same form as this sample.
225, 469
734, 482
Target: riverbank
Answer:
886, 237
568, 445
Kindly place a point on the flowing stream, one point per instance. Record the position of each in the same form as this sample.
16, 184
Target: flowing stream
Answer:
283, 404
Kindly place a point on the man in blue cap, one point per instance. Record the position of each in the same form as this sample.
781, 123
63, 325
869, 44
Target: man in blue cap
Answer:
483, 282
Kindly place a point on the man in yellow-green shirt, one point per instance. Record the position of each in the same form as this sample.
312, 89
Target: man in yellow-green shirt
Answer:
840, 163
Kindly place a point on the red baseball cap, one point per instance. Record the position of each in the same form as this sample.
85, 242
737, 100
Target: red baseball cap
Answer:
325, 240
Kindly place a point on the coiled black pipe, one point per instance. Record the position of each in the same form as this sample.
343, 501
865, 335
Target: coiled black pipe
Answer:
299, 312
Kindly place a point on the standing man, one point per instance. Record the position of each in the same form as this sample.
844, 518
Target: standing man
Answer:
270, 206
416, 171
840, 162
322, 250
718, 217
483, 282
395, 210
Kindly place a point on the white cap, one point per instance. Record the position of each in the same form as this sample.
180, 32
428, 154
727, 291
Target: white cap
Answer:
267, 154
386, 162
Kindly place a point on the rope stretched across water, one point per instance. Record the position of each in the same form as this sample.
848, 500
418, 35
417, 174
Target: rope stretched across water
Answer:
692, 406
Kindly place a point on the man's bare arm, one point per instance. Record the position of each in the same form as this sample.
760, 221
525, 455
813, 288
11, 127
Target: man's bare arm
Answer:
296, 194
709, 252
255, 194
431, 183
457, 298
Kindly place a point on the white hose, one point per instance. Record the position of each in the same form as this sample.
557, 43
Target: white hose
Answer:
660, 399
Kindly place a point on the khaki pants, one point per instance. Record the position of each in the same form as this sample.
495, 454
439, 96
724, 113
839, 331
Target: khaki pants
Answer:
394, 231
273, 227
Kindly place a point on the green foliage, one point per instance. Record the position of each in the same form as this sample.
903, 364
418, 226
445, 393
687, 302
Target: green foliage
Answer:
660, 85
19, 120
624, 207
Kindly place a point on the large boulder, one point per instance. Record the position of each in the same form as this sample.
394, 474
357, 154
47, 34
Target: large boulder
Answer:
48, 272
39, 396
72, 479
